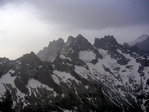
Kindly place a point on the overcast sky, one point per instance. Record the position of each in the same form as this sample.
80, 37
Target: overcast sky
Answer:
29, 25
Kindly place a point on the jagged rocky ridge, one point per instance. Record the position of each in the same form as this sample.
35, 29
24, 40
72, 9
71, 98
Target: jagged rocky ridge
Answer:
76, 76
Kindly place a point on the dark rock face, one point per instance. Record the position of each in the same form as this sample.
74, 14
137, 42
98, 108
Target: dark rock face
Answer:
106, 77
144, 45
143, 61
108, 42
7, 104
5, 65
50, 52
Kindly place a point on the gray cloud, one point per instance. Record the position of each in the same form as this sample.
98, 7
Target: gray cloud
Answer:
92, 14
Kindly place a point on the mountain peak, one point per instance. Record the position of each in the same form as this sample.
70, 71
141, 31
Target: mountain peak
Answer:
106, 43
60, 40
70, 40
144, 35
31, 56
139, 39
32, 53
141, 42
110, 38
82, 43
81, 38
50, 52
55, 42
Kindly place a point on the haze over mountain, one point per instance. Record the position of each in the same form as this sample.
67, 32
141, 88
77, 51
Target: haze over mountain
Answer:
141, 42
44, 71
24, 22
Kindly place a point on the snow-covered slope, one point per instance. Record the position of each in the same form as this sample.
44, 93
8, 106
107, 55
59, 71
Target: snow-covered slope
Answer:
105, 77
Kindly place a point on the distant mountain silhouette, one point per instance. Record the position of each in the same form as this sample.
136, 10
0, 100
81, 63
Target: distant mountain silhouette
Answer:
141, 42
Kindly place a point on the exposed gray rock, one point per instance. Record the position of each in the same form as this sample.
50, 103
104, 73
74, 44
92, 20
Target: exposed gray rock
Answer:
50, 52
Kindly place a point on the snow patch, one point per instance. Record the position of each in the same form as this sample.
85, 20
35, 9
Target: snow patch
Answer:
64, 58
35, 84
133, 72
65, 77
56, 79
7, 79
82, 71
18, 62
40, 66
87, 86
103, 52
87, 56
